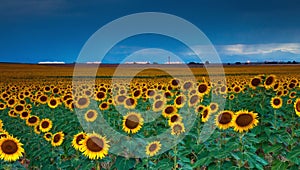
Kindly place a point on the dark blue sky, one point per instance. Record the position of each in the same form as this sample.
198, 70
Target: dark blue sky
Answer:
55, 30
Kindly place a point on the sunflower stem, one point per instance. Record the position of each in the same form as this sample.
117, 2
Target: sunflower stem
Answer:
275, 115
175, 157
242, 149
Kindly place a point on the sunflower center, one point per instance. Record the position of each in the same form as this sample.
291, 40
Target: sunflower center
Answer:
179, 100
79, 138
104, 105
276, 102
200, 109
24, 114
32, 120
136, 93
56, 138
90, 114
9, 147
11, 102
187, 85
100, 95
53, 102
82, 101
158, 104
43, 98
48, 135
130, 102
244, 120
19, 108
175, 82
255, 82
45, 124
153, 147
297, 107
132, 122
174, 118
95, 144
169, 110
177, 128
225, 118
213, 106
194, 99
202, 88
205, 113
269, 80
121, 98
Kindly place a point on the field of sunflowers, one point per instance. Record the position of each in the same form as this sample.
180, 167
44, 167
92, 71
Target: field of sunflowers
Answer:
48, 122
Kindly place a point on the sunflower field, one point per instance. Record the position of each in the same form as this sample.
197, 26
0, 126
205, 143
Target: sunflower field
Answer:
48, 122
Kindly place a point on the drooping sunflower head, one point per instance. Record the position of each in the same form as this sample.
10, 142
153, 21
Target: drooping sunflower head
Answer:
169, 110
10, 149
91, 115
244, 120
76, 142
57, 139
292, 94
297, 106
177, 128
224, 119
45, 125
152, 148
132, 122
276, 102
94, 146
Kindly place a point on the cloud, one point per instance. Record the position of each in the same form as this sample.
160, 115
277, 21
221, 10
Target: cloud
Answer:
246, 49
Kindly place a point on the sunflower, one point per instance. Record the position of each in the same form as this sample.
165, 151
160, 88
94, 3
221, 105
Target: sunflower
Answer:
203, 88
76, 142
199, 109
2, 106
10, 149
48, 136
43, 99
130, 103
276, 102
174, 83
193, 100
169, 110
174, 118
270, 81
3, 134
255, 82
11, 102
32, 121
91, 115
180, 101
158, 105
223, 119
187, 85
45, 125
150, 93
25, 114
205, 114
82, 102
119, 99
57, 139
104, 106
37, 129
94, 146
231, 97
100, 95
213, 107
297, 106
132, 122
152, 148
177, 128
292, 94
53, 102
137, 93
244, 120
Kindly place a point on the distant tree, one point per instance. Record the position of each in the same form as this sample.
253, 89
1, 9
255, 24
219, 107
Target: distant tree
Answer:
155, 62
289, 62
206, 62
228, 64
192, 62
238, 63
294, 62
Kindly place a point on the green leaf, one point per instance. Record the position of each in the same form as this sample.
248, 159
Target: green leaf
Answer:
279, 165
